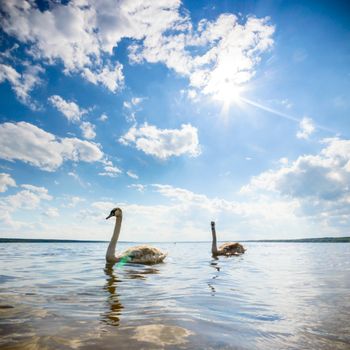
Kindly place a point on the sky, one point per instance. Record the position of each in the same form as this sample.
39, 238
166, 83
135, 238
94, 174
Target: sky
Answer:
179, 112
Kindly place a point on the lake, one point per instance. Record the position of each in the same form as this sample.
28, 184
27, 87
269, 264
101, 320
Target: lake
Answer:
275, 296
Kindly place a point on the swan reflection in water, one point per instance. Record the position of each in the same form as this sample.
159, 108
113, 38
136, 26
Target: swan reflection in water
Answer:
214, 264
114, 306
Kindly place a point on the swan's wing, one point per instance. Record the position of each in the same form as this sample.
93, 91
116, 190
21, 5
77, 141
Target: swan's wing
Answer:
232, 248
143, 255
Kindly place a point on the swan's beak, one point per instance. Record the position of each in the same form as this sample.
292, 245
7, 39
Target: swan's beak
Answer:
108, 216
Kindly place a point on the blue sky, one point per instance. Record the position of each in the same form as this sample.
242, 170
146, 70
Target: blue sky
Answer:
178, 112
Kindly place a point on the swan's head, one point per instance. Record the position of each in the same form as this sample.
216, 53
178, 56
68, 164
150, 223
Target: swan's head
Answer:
117, 212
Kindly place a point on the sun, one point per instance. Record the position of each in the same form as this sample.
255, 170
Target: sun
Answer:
228, 94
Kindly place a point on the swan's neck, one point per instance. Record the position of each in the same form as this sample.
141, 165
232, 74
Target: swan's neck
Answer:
110, 255
214, 248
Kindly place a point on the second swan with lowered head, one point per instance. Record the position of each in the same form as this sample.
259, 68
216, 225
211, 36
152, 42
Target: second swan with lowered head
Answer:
139, 255
226, 249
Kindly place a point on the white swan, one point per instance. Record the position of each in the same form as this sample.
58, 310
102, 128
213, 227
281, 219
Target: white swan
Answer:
226, 249
139, 255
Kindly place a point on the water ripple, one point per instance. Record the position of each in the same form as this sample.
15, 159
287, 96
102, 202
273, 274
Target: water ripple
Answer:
276, 296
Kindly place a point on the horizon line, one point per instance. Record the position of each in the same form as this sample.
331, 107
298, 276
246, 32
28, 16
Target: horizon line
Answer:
55, 240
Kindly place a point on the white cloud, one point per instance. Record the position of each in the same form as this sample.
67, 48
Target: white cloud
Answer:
69, 109
110, 76
51, 212
127, 104
110, 171
215, 206
138, 187
307, 127
321, 182
42, 149
103, 117
28, 198
187, 216
73, 201
132, 175
81, 34
6, 181
163, 143
81, 182
135, 101
88, 130
74, 113
22, 83
325, 175
192, 95
229, 55
131, 108
63, 32
286, 103
216, 56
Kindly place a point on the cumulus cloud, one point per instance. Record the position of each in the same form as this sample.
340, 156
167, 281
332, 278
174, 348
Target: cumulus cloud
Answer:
28, 198
6, 181
110, 76
163, 143
81, 34
22, 83
321, 182
229, 52
306, 128
215, 56
324, 176
42, 149
69, 109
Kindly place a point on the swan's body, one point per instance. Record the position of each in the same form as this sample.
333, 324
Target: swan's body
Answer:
142, 254
227, 249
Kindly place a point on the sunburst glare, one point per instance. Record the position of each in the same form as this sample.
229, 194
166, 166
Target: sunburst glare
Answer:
228, 94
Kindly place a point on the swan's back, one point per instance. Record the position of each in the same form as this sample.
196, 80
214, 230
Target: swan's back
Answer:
143, 254
231, 249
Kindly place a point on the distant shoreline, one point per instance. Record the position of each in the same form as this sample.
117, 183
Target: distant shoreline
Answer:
301, 240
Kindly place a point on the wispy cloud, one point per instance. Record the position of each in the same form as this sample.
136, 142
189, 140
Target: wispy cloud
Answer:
69, 109
283, 115
22, 83
132, 175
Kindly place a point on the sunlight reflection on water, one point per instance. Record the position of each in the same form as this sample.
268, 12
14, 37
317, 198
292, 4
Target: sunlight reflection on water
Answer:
281, 295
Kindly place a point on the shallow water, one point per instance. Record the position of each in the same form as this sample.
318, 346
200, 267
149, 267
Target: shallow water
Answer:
276, 296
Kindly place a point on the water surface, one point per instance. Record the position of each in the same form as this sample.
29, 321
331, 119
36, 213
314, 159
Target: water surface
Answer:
276, 296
